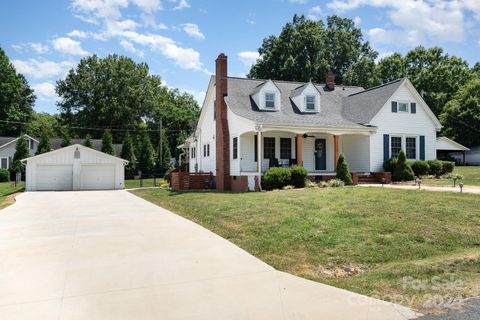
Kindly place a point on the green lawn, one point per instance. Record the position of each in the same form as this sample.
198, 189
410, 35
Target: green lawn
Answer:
471, 177
6, 190
384, 234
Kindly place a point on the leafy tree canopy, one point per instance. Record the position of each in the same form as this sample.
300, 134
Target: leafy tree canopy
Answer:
44, 144
43, 122
16, 98
306, 50
461, 116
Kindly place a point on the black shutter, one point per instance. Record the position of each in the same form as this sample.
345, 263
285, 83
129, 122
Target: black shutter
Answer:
255, 152
386, 147
394, 106
422, 147
413, 107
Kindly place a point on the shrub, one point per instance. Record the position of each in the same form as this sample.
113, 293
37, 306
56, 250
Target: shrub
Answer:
435, 167
276, 178
335, 183
310, 184
447, 167
403, 170
288, 187
420, 168
299, 175
390, 164
323, 184
343, 173
4, 175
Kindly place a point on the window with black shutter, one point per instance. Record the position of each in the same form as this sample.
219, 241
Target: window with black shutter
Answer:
235, 148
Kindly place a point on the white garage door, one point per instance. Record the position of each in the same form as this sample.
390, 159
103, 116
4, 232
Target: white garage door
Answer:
54, 177
97, 177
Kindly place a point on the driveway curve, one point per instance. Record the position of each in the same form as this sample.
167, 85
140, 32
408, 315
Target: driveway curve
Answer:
111, 255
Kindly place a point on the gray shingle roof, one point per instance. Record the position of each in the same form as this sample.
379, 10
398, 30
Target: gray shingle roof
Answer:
363, 106
5, 140
330, 115
346, 106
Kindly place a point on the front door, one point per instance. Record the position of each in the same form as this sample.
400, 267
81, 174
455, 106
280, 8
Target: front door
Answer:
320, 154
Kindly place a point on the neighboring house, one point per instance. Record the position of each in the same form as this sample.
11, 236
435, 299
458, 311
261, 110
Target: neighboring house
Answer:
447, 149
8, 145
469, 158
249, 125
7, 149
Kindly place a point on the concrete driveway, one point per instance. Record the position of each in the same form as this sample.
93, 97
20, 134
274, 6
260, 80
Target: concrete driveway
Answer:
112, 255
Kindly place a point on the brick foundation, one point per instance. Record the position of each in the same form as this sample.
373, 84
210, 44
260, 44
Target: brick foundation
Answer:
383, 177
239, 183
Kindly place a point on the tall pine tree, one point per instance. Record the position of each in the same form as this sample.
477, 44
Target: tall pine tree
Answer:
44, 145
21, 152
163, 158
146, 155
107, 143
88, 141
128, 153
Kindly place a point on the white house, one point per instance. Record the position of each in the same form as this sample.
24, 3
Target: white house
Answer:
249, 125
75, 167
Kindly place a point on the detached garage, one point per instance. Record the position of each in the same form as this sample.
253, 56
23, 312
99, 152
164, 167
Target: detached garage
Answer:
75, 167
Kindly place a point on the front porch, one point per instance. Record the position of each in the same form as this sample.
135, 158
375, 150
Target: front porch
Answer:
317, 151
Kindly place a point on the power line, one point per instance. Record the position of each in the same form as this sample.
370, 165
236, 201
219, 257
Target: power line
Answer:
94, 128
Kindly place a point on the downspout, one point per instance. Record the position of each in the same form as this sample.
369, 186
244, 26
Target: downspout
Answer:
258, 128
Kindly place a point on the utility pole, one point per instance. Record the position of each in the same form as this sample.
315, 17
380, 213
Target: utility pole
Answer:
160, 157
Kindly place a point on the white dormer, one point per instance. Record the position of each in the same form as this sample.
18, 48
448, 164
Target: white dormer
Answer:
306, 98
267, 96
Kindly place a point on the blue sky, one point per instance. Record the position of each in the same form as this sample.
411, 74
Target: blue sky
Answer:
180, 39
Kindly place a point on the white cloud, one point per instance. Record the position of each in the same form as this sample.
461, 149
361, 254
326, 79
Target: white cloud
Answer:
39, 48
357, 20
193, 31
198, 95
100, 8
248, 58
77, 34
182, 4
39, 69
45, 90
314, 13
185, 58
68, 46
382, 55
382, 36
149, 21
148, 5
129, 47
421, 20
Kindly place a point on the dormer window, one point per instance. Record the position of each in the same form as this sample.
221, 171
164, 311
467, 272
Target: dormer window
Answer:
310, 102
270, 100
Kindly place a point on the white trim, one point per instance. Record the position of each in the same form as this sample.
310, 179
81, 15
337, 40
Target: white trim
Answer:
8, 164
403, 102
461, 147
125, 162
274, 94
403, 145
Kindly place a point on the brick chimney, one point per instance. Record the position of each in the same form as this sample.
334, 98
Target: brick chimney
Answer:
330, 82
222, 135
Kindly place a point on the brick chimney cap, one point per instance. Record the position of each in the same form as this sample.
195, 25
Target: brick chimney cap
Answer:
222, 55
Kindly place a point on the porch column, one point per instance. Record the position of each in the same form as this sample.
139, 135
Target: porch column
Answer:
299, 149
259, 158
336, 140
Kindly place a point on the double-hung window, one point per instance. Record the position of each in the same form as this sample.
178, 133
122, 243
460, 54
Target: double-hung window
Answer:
268, 148
403, 107
4, 163
411, 147
285, 148
270, 100
192, 152
396, 146
310, 103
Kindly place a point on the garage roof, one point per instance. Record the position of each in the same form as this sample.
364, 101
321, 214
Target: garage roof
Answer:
75, 146
444, 143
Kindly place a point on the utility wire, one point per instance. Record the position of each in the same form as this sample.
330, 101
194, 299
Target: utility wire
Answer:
95, 128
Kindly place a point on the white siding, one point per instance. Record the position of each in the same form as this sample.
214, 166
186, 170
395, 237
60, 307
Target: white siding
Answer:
248, 163
299, 100
308, 152
356, 150
9, 150
65, 156
207, 136
419, 124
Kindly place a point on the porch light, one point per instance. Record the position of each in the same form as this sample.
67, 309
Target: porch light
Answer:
461, 186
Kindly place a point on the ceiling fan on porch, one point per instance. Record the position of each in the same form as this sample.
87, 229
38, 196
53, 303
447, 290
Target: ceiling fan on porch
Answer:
307, 136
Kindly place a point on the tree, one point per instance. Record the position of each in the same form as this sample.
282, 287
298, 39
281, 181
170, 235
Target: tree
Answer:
461, 116
436, 75
163, 158
343, 172
128, 153
66, 141
42, 122
107, 143
363, 73
306, 50
44, 144
146, 155
16, 98
21, 152
88, 141
403, 171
